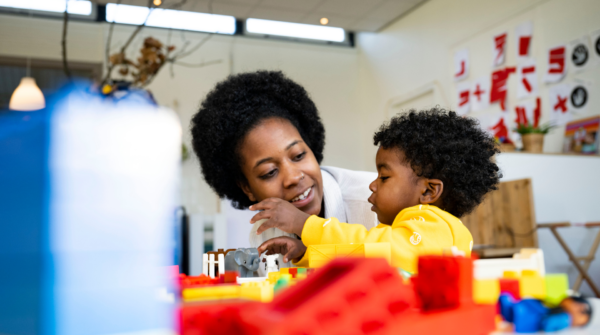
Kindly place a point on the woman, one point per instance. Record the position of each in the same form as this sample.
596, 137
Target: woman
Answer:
259, 135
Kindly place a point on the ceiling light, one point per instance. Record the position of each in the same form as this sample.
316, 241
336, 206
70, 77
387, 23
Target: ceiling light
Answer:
324, 21
27, 97
57, 6
169, 18
157, 2
288, 29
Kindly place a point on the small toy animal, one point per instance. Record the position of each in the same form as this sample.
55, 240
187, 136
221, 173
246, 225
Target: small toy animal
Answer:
243, 260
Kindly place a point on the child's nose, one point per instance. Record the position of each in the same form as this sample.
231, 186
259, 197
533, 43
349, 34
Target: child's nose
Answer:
373, 186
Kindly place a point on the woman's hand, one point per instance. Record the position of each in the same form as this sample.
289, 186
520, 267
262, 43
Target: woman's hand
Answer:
280, 214
290, 248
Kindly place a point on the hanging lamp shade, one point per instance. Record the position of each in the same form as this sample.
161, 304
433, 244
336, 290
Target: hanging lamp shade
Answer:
27, 96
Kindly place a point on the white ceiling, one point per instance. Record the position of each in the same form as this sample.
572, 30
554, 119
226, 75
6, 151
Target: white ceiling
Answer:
353, 15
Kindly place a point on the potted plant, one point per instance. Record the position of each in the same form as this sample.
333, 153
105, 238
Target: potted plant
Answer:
532, 134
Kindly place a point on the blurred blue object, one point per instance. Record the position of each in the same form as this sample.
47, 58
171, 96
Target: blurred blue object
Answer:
87, 197
556, 322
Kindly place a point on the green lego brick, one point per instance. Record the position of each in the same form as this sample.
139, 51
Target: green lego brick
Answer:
556, 288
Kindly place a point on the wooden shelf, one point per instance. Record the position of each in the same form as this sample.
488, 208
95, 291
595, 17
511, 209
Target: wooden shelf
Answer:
548, 154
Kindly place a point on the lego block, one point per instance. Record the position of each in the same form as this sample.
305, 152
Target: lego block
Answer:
350, 250
486, 291
284, 270
509, 274
218, 292
510, 286
301, 270
229, 277
319, 255
379, 250
556, 288
293, 272
348, 296
273, 277
436, 284
258, 291
532, 285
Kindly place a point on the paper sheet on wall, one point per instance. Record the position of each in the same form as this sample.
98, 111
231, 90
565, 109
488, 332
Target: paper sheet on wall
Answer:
579, 98
524, 33
461, 64
463, 91
528, 112
499, 86
595, 47
527, 82
499, 49
556, 68
480, 94
579, 54
559, 104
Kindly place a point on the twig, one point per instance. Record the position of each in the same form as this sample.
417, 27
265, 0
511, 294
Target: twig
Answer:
64, 43
108, 40
124, 47
196, 47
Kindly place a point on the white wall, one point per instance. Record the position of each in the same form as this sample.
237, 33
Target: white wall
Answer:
328, 73
418, 49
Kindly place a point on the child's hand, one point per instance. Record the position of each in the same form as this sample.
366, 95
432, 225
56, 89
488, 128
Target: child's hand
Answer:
281, 214
290, 248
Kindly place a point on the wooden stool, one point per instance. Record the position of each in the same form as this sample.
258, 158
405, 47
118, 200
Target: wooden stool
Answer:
583, 274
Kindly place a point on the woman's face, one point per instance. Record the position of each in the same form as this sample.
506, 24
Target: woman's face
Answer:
277, 163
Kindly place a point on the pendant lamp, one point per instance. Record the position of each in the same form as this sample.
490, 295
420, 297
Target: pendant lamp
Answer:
27, 96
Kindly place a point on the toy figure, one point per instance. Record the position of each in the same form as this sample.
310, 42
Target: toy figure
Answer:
530, 315
271, 263
243, 260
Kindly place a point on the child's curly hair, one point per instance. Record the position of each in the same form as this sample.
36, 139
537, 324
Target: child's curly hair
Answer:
442, 145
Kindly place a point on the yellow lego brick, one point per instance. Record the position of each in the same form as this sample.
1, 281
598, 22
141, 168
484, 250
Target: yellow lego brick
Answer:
532, 285
284, 270
486, 291
350, 250
556, 288
211, 293
258, 291
379, 250
273, 277
510, 275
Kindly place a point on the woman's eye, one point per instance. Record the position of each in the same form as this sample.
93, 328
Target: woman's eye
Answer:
269, 174
300, 156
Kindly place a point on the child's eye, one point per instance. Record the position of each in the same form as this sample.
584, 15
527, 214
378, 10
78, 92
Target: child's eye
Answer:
300, 156
269, 174
383, 178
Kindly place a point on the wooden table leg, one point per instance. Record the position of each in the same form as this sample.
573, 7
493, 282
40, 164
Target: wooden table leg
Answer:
588, 261
575, 262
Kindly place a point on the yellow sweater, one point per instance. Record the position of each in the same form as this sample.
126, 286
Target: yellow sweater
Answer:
418, 230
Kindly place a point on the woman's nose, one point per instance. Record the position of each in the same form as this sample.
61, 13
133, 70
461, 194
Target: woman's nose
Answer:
292, 177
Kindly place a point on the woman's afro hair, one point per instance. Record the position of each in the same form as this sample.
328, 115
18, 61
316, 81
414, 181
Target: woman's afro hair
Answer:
442, 145
237, 105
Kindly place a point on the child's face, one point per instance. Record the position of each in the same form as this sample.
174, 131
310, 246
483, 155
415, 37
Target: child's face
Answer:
397, 186
577, 310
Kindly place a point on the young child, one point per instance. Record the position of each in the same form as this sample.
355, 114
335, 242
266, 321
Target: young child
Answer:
433, 167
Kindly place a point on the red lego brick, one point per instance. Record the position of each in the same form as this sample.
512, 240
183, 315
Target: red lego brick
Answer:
444, 281
510, 286
191, 281
293, 272
348, 296
229, 277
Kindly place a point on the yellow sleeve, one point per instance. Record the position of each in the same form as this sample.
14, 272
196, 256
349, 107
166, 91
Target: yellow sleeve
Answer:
414, 232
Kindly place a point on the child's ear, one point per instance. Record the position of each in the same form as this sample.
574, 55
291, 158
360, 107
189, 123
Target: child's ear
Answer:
433, 191
246, 189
